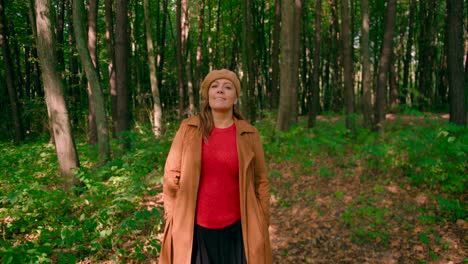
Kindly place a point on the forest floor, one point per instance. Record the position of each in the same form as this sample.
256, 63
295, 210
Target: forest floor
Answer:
335, 213
347, 215
348, 218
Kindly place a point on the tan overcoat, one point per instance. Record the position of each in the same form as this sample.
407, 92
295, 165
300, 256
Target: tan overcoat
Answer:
181, 179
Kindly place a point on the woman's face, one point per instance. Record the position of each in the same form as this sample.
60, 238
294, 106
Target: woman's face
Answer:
222, 95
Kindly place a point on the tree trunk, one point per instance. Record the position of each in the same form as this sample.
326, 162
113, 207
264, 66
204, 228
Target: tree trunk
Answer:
393, 83
409, 47
157, 110
109, 17
347, 64
248, 80
188, 59
275, 57
384, 64
121, 74
53, 87
455, 62
366, 73
179, 58
92, 43
60, 34
199, 57
336, 91
162, 45
10, 82
314, 104
426, 53
289, 77
93, 81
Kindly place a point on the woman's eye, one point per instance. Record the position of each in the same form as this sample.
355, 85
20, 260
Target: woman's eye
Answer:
228, 87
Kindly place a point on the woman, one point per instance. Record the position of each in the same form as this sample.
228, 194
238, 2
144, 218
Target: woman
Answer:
216, 191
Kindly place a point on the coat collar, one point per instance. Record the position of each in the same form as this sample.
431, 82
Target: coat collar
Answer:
241, 125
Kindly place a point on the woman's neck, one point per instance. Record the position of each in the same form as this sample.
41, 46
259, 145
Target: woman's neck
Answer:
222, 119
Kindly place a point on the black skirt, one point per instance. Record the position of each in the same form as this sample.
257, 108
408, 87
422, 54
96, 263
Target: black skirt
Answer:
218, 246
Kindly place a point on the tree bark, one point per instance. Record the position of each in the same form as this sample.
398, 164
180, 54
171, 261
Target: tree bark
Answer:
384, 64
9, 76
162, 46
93, 81
455, 55
393, 83
409, 47
366, 73
53, 87
157, 109
199, 56
60, 34
427, 53
248, 80
92, 43
109, 17
179, 58
314, 104
289, 77
336, 55
347, 64
121, 74
188, 59
275, 51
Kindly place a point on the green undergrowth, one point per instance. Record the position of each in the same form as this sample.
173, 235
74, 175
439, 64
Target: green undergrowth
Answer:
99, 220
103, 218
430, 155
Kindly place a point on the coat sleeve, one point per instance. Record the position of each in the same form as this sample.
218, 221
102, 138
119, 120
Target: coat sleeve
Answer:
262, 186
172, 171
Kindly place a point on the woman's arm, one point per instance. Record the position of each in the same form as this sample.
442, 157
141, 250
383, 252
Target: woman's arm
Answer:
172, 171
262, 185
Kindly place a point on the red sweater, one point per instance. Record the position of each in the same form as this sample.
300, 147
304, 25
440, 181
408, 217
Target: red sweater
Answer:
218, 203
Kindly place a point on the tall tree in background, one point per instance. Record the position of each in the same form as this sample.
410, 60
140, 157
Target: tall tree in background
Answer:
409, 49
93, 81
289, 75
427, 52
161, 42
180, 56
455, 55
248, 80
109, 17
157, 109
366, 100
200, 44
36, 71
53, 87
121, 74
188, 58
10, 79
347, 63
275, 50
60, 27
314, 105
92, 47
384, 64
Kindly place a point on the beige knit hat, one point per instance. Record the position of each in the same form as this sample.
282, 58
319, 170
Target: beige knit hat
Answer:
219, 74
